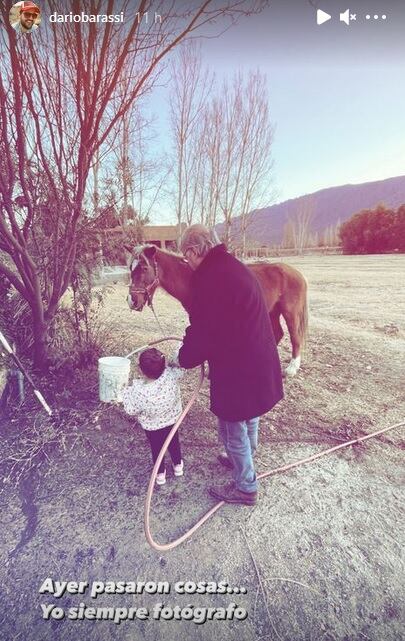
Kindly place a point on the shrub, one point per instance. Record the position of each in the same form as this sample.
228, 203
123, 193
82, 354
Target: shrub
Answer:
374, 231
113, 245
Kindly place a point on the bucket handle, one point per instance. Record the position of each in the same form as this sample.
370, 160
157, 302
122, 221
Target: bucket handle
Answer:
140, 349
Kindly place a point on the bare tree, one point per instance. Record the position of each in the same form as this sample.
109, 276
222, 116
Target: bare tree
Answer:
300, 222
139, 175
330, 236
257, 134
191, 86
288, 235
211, 176
239, 141
223, 146
148, 173
62, 99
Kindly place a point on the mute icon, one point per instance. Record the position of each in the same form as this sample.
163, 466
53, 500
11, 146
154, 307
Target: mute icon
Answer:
344, 17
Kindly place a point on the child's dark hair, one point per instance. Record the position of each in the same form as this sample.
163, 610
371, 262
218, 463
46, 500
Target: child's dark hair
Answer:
152, 363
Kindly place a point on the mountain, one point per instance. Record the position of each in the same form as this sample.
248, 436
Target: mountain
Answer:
328, 208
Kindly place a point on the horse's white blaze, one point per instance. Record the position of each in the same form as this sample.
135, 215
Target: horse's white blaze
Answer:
134, 264
129, 301
293, 366
147, 261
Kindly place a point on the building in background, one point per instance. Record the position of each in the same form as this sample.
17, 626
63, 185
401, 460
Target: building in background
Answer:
164, 236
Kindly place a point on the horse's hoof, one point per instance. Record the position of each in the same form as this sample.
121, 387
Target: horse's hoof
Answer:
292, 368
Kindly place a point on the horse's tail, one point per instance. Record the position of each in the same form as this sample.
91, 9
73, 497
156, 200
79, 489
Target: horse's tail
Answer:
303, 318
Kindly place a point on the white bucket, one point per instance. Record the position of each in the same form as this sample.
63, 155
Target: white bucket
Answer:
113, 375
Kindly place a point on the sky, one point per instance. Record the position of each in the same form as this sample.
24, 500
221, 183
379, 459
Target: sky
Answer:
336, 91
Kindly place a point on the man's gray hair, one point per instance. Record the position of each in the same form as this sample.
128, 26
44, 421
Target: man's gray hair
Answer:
199, 238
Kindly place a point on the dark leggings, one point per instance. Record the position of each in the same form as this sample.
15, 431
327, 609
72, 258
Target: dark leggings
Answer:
156, 439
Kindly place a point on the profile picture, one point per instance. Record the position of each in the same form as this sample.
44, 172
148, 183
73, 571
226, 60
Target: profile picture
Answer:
25, 17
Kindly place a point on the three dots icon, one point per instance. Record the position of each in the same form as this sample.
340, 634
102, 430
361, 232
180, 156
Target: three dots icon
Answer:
376, 17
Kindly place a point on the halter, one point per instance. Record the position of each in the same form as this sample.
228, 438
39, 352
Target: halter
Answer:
148, 290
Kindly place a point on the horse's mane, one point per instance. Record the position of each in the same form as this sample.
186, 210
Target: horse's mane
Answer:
139, 248
170, 253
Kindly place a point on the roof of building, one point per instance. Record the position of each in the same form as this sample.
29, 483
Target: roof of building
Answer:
154, 232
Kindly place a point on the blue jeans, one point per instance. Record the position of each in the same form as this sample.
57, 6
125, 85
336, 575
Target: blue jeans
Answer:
240, 442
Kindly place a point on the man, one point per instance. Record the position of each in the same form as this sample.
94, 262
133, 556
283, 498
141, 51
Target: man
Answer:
29, 13
230, 328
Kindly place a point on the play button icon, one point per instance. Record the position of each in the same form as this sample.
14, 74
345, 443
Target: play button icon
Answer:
322, 16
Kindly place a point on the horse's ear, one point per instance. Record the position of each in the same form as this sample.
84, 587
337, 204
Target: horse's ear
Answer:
150, 251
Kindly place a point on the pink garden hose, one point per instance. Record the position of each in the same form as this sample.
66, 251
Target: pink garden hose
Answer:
163, 547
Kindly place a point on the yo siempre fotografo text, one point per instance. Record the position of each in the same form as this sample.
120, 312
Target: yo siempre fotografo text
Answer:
160, 611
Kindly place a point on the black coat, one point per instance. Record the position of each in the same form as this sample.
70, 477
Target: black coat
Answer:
230, 328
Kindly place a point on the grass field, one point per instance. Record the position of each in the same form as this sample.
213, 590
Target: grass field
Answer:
320, 554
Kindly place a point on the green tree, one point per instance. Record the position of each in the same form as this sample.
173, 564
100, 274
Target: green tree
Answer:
374, 231
352, 233
398, 230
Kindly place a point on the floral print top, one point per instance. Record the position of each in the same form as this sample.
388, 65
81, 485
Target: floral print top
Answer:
155, 402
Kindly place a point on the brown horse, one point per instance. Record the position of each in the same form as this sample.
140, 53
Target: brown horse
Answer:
284, 288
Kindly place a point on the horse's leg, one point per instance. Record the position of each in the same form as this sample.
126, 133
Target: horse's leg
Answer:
292, 318
275, 322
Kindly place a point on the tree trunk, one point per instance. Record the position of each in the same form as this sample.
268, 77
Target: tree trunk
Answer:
40, 330
243, 236
227, 235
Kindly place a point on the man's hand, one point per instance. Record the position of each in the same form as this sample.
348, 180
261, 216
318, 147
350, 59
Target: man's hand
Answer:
173, 360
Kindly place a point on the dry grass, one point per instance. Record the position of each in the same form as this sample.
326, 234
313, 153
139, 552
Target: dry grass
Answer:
325, 538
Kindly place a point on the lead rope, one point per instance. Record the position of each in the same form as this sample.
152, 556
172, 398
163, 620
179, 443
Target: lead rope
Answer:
164, 547
150, 295
156, 318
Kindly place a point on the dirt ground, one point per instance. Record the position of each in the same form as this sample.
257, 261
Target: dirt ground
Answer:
320, 554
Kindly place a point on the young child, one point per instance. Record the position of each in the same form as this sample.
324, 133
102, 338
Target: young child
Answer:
156, 401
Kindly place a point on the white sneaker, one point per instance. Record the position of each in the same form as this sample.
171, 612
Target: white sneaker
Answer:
179, 469
161, 478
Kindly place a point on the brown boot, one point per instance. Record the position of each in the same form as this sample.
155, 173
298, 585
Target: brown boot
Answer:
230, 494
225, 461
